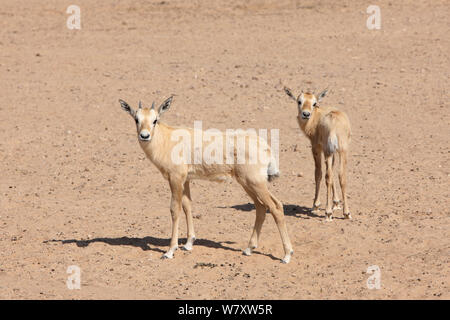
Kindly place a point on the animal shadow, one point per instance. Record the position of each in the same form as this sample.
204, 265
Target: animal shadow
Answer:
145, 243
152, 243
289, 210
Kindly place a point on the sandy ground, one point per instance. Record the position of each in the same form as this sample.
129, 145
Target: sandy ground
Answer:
76, 189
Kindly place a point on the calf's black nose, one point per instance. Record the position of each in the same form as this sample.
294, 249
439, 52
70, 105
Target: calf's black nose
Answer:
306, 114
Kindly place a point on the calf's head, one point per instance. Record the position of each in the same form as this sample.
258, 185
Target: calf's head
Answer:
146, 118
306, 102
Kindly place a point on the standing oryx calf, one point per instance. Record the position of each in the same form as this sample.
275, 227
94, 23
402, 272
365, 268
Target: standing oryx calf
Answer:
160, 144
328, 129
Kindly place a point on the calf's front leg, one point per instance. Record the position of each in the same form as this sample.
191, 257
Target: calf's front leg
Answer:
176, 186
187, 207
317, 153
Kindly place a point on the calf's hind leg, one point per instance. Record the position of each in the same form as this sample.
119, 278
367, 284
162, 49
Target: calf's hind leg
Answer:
276, 209
329, 182
259, 220
343, 183
336, 201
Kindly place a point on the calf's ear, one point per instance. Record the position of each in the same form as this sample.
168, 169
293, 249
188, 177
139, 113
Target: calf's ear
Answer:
322, 95
289, 93
165, 105
125, 106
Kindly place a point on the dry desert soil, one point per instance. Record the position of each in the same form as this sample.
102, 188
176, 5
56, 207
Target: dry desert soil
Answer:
76, 189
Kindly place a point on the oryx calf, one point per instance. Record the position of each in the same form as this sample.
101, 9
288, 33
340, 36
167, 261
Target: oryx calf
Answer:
157, 141
328, 129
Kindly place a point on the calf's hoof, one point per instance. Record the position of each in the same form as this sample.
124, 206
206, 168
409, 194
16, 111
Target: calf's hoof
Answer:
287, 258
336, 205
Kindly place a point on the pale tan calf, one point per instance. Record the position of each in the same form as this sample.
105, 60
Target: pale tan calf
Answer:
329, 131
161, 145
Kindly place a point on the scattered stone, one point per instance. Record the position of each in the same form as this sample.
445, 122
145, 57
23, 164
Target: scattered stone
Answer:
205, 265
